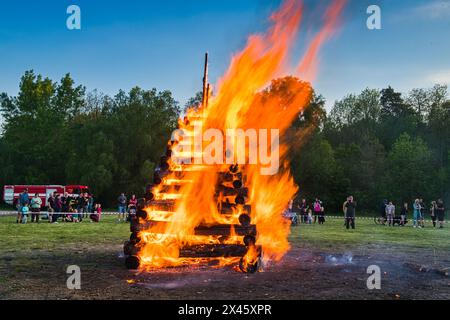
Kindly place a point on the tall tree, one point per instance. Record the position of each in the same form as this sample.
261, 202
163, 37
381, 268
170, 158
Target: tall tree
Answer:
410, 170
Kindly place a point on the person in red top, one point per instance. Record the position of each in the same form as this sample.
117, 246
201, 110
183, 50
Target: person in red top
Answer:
132, 206
95, 217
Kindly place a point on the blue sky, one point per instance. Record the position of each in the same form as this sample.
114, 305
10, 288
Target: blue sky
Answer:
160, 44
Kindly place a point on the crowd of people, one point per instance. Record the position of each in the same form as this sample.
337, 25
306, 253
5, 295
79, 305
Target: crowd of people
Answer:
436, 211
312, 212
75, 208
65, 207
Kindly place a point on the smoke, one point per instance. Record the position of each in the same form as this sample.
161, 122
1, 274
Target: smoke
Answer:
339, 260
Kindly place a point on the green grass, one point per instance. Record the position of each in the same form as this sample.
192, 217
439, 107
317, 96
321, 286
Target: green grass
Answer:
329, 237
46, 236
333, 236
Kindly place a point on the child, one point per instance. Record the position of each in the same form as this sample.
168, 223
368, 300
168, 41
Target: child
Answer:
75, 215
310, 218
24, 212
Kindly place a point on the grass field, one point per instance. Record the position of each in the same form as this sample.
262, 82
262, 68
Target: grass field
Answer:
33, 257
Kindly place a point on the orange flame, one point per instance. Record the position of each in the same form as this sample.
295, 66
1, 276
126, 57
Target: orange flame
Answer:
307, 68
246, 97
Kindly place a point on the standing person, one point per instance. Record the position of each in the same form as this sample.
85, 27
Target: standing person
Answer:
422, 213
36, 203
24, 211
317, 208
390, 213
433, 213
51, 207
91, 206
19, 211
416, 213
304, 208
322, 214
309, 217
122, 204
403, 214
86, 204
383, 211
344, 209
80, 205
350, 213
24, 198
65, 204
57, 207
440, 212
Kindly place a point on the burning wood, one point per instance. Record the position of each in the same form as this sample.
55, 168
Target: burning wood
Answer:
225, 199
232, 235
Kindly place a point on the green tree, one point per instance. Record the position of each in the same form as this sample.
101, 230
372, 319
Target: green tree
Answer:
409, 169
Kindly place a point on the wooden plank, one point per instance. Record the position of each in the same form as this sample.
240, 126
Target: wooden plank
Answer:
205, 230
213, 251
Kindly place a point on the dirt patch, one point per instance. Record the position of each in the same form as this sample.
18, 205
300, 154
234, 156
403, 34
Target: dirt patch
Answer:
303, 274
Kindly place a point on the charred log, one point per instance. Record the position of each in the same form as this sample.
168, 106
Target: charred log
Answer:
249, 240
229, 208
251, 265
130, 249
132, 262
201, 230
142, 214
213, 251
135, 238
244, 220
228, 191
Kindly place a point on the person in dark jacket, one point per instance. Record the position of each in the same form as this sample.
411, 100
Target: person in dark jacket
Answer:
350, 207
304, 208
440, 212
403, 214
80, 206
57, 206
433, 212
51, 207
65, 204
383, 211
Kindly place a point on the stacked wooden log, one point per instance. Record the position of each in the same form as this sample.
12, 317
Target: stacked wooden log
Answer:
231, 196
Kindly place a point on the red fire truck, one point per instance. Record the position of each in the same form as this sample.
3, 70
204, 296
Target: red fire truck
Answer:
11, 192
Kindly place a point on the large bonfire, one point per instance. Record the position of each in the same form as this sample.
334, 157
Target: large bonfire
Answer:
227, 211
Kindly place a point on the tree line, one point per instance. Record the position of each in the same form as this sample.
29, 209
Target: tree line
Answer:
374, 145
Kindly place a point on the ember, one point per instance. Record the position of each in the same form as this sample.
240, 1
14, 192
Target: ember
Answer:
231, 213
